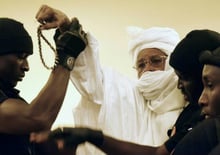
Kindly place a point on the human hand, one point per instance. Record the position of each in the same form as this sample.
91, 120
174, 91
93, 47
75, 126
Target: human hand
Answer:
70, 44
39, 137
73, 41
49, 146
173, 131
50, 18
69, 138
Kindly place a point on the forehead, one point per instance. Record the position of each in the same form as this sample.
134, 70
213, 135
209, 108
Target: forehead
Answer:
178, 73
184, 76
14, 56
148, 52
211, 71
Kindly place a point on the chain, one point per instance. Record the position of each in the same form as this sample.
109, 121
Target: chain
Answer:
39, 36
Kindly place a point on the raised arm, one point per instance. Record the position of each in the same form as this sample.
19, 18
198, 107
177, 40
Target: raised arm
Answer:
87, 63
20, 117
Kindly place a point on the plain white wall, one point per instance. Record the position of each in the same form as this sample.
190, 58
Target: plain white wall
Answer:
107, 20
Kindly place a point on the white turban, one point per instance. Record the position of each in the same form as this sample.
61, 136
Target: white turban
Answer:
163, 38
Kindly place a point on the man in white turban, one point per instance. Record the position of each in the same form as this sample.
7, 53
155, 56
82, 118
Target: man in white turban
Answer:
136, 110
140, 111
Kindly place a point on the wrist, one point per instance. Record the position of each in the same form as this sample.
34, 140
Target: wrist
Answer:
95, 137
70, 43
65, 60
65, 25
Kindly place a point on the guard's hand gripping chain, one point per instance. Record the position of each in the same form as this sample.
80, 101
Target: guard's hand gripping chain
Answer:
39, 36
69, 45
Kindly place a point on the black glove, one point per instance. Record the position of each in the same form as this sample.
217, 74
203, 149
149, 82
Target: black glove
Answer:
74, 136
70, 44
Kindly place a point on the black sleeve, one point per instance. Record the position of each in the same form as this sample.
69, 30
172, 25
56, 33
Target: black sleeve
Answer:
200, 140
3, 97
189, 118
216, 150
174, 140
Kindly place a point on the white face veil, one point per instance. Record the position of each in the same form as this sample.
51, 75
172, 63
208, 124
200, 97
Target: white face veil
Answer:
155, 86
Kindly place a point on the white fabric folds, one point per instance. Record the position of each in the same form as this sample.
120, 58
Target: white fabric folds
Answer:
113, 103
156, 88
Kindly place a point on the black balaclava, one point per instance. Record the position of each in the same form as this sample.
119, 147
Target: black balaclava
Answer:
14, 38
211, 57
185, 57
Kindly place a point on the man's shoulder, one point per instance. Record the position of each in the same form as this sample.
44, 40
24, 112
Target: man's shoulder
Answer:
204, 135
211, 125
9, 93
189, 117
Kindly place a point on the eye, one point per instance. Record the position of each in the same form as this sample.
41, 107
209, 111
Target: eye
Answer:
22, 56
209, 84
141, 65
156, 60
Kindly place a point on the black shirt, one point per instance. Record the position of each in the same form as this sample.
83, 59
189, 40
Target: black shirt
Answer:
14, 144
201, 140
216, 150
188, 118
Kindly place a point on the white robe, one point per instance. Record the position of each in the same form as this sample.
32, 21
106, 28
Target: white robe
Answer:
111, 102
